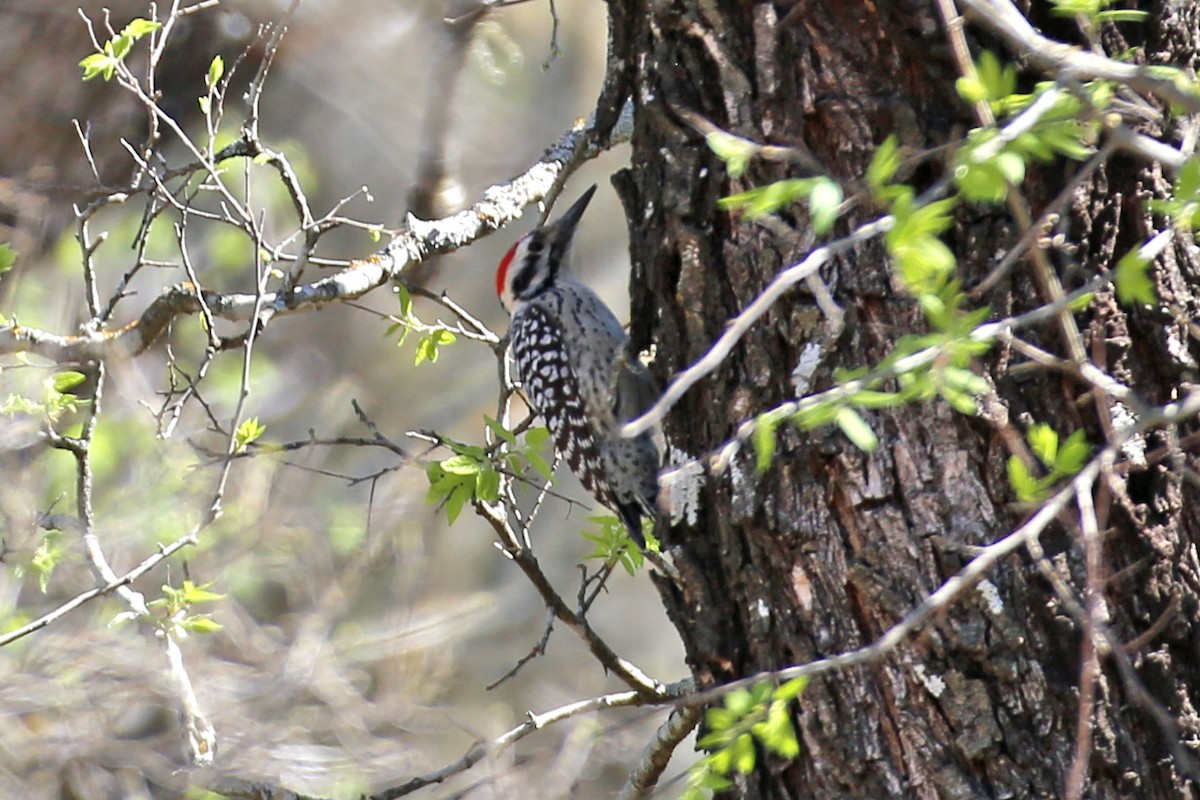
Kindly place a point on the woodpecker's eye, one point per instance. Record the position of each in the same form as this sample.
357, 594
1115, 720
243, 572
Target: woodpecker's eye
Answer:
535, 246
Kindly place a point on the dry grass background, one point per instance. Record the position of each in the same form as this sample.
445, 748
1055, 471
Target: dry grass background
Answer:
359, 631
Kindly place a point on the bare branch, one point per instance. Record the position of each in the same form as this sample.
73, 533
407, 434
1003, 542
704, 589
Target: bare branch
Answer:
527, 561
534, 722
657, 755
500, 205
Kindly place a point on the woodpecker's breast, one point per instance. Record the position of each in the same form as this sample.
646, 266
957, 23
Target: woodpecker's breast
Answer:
592, 340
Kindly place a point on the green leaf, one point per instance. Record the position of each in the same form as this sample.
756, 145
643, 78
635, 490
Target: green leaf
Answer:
199, 594
426, 351
964, 380
739, 702
67, 380
500, 432
856, 429
777, 733
405, 298
1073, 454
216, 69
247, 432
1187, 184
8, 257
713, 740
1132, 279
457, 499
487, 484
191, 593
761, 692
960, 401
1082, 302
1012, 167
105, 62
744, 754
428, 346
824, 200
440, 485
1025, 486
538, 463
981, 182
205, 105
971, 89
999, 80
201, 624
925, 263
716, 782
138, 27
119, 46
460, 465
785, 744
763, 440
884, 163
722, 760
764, 200
538, 437
717, 719
733, 150
815, 416
792, 689
1043, 440
867, 398
99, 65
48, 555
1123, 15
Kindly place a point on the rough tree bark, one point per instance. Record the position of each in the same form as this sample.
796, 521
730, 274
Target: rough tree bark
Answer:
831, 547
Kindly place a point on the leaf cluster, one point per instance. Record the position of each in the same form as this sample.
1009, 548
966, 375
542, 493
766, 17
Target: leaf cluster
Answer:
173, 611
473, 473
613, 545
433, 337
57, 400
48, 555
112, 53
747, 721
1059, 461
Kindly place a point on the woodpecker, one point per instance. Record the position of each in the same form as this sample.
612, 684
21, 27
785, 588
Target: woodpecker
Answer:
572, 360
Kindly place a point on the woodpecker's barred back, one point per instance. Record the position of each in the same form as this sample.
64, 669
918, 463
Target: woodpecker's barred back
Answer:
572, 361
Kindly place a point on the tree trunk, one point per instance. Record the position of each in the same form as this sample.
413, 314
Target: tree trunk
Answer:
830, 547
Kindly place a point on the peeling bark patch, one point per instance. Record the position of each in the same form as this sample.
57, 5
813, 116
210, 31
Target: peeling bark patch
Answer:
991, 596
679, 487
806, 366
932, 683
802, 587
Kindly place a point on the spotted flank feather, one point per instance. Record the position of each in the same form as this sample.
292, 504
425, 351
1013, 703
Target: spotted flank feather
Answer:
551, 387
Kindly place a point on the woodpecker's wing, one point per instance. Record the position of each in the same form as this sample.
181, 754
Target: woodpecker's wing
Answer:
540, 351
635, 391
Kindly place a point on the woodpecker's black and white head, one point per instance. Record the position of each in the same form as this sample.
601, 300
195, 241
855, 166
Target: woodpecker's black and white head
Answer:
539, 259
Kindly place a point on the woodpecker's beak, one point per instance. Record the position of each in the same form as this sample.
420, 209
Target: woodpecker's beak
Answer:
564, 226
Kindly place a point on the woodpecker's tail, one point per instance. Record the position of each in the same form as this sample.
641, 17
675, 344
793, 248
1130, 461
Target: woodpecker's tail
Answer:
631, 515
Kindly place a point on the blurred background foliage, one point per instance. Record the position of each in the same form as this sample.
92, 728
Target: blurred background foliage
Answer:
359, 632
